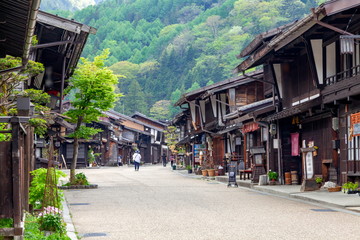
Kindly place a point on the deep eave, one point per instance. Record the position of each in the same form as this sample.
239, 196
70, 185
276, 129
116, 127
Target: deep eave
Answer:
226, 84
294, 31
261, 38
17, 21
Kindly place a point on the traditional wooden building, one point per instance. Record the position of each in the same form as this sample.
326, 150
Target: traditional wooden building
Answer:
220, 120
313, 64
17, 19
157, 147
60, 44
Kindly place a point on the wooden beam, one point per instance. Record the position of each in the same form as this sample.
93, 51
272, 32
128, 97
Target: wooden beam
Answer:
46, 45
64, 23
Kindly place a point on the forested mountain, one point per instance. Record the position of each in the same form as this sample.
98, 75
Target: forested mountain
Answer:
166, 47
66, 5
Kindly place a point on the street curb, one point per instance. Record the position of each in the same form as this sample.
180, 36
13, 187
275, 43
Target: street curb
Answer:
294, 195
90, 186
70, 228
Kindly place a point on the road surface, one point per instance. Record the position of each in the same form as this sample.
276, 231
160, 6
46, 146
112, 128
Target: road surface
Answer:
157, 203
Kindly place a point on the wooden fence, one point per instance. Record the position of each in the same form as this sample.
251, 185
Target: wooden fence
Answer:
16, 161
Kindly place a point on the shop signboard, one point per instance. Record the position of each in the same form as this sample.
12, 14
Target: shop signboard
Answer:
199, 149
355, 124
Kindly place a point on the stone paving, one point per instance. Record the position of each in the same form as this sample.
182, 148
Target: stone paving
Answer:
159, 203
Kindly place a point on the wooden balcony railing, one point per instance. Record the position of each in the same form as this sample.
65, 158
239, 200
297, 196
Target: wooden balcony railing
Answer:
354, 71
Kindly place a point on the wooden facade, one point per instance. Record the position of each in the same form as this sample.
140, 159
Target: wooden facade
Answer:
317, 84
217, 115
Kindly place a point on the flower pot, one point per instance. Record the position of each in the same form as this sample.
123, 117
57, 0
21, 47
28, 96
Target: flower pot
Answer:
173, 167
272, 182
211, 172
221, 172
334, 189
204, 172
350, 191
216, 172
189, 171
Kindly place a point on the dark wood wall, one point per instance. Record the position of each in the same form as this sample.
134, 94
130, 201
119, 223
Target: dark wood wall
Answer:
321, 133
218, 150
209, 113
297, 81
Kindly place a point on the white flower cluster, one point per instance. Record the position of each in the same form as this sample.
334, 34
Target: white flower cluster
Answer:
50, 210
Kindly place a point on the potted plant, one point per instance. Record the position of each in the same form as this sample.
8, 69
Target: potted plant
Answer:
204, 172
273, 176
319, 180
91, 157
189, 169
211, 172
344, 187
350, 187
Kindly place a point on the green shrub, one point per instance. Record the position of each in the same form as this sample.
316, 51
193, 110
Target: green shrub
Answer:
33, 232
37, 188
318, 180
273, 175
81, 179
6, 222
51, 222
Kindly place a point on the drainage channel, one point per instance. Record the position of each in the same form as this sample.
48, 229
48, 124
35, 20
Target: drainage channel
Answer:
323, 210
79, 204
86, 235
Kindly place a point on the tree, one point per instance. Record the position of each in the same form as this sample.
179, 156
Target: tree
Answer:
135, 99
210, 82
94, 85
160, 110
171, 136
213, 23
11, 80
193, 87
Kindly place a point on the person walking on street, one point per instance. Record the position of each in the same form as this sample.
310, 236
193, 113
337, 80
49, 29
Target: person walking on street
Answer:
172, 160
137, 160
119, 161
164, 160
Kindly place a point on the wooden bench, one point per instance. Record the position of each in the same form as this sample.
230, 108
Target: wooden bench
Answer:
246, 173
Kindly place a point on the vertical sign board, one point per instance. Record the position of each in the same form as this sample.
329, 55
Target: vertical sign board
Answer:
309, 165
308, 162
308, 183
232, 173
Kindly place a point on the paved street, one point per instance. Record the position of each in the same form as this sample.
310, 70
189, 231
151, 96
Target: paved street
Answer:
158, 203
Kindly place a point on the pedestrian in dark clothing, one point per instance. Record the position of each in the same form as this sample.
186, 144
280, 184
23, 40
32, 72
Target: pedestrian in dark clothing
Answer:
164, 159
172, 160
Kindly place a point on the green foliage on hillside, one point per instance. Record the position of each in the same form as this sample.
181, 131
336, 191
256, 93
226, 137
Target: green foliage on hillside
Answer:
163, 47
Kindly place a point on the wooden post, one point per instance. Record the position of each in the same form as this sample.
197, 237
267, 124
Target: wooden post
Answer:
15, 153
